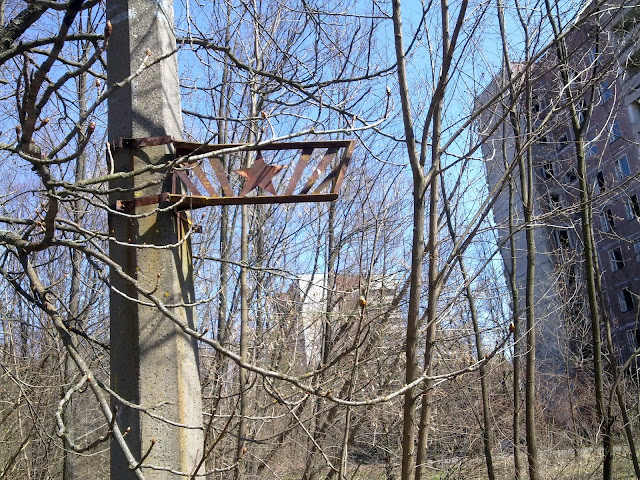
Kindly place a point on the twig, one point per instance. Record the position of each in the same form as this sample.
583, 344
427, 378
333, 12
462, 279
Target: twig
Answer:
144, 457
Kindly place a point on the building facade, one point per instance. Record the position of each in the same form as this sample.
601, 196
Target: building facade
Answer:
601, 83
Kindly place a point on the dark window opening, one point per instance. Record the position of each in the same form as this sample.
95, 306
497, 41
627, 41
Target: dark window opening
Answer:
537, 104
576, 74
617, 262
635, 110
600, 179
635, 205
625, 298
563, 237
548, 170
571, 175
560, 239
577, 310
610, 219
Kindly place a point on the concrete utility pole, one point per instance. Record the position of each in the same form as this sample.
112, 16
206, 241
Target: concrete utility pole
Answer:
153, 363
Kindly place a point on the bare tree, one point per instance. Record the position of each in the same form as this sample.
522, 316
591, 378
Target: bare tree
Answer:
335, 339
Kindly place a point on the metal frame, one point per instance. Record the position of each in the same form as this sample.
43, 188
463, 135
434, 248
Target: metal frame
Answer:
313, 190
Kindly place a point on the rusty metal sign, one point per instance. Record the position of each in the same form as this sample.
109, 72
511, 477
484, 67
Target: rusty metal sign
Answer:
200, 184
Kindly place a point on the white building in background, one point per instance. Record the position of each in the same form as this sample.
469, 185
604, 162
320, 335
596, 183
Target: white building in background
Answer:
313, 313
311, 321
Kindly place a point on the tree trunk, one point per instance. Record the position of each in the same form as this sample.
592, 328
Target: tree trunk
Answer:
525, 167
487, 427
70, 414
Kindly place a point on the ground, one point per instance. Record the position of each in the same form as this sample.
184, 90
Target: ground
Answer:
558, 465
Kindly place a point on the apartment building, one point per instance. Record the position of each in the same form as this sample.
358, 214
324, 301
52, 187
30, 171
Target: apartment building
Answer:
604, 81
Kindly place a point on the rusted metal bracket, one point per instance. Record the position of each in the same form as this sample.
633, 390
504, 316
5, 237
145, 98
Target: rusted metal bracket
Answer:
144, 142
191, 202
186, 191
130, 205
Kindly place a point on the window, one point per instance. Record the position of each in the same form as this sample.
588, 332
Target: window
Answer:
622, 167
626, 25
633, 337
615, 132
610, 219
600, 184
615, 257
536, 104
580, 110
554, 201
590, 147
607, 220
605, 93
549, 169
563, 142
636, 248
633, 207
575, 75
560, 239
634, 110
571, 175
577, 310
625, 299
